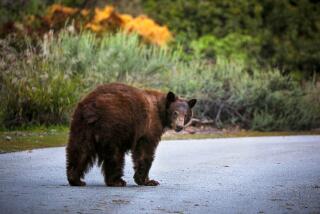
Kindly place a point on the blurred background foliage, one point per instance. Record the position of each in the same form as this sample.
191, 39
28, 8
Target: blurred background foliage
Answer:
282, 34
285, 33
253, 64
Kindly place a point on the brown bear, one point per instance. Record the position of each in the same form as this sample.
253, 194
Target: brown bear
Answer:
116, 118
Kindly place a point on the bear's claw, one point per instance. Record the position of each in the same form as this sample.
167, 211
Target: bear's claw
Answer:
77, 183
145, 182
151, 183
117, 183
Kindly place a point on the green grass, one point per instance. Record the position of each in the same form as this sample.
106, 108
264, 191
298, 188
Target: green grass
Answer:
231, 134
41, 137
27, 140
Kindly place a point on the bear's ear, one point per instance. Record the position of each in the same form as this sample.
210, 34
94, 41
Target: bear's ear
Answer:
171, 97
192, 102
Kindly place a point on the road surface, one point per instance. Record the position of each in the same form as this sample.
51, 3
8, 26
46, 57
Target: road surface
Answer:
234, 175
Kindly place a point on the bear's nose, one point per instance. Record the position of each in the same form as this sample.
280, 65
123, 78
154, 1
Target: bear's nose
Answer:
178, 128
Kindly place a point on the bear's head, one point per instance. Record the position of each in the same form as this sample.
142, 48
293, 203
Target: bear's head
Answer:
179, 111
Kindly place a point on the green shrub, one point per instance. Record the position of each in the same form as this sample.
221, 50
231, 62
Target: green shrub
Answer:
287, 30
36, 93
42, 86
118, 57
261, 100
233, 47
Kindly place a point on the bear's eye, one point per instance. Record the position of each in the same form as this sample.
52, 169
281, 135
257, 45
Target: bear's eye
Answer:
175, 114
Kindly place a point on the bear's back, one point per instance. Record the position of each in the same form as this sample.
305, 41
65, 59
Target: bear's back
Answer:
117, 112
117, 104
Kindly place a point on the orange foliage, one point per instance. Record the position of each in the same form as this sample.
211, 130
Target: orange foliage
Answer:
84, 12
102, 14
148, 29
106, 19
57, 8
57, 14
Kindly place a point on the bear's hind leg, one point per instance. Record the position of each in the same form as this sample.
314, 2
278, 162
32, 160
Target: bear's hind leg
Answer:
112, 168
77, 164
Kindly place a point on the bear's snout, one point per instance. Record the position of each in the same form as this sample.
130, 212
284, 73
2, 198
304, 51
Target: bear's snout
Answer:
178, 128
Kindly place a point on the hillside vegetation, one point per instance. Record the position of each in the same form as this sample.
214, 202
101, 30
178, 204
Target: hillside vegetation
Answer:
251, 64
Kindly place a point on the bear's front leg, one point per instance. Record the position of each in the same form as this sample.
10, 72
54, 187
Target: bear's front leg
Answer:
141, 175
143, 157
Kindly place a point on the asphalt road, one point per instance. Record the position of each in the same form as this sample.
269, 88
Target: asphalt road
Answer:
235, 175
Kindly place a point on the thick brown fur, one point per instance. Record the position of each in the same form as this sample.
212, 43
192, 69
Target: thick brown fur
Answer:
117, 118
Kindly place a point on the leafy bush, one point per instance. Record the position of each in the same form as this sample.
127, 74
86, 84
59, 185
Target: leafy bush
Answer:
118, 57
33, 91
261, 100
42, 86
287, 30
233, 47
